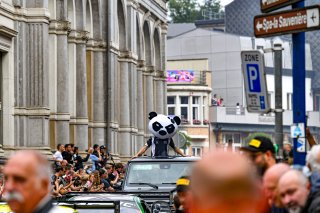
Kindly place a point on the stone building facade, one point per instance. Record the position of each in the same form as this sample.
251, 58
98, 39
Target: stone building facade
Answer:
81, 72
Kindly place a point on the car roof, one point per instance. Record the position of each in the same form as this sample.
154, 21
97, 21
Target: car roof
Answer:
164, 159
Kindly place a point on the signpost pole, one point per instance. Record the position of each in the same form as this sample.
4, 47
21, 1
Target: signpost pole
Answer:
278, 97
298, 75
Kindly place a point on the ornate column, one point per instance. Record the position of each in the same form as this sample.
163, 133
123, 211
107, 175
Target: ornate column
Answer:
7, 95
164, 86
141, 115
164, 32
98, 123
113, 96
160, 92
32, 105
113, 70
132, 6
149, 99
80, 122
124, 145
60, 116
133, 105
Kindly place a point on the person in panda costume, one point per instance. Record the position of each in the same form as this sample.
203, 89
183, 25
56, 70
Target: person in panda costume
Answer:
163, 129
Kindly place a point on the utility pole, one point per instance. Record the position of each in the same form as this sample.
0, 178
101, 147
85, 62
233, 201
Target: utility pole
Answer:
299, 88
278, 97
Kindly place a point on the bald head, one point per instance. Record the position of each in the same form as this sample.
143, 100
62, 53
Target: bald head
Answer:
40, 165
224, 176
293, 176
294, 189
223, 166
275, 172
27, 175
271, 179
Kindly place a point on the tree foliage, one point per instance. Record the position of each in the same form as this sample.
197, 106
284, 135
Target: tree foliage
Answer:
184, 139
183, 11
188, 11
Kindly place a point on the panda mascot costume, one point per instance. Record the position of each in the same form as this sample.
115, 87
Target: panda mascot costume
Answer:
163, 129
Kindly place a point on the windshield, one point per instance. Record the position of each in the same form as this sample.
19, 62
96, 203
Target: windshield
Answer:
157, 173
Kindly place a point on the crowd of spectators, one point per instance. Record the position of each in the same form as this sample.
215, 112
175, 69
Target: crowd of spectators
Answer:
250, 181
94, 171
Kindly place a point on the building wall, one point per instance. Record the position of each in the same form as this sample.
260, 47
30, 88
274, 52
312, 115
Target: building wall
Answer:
239, 16
80, 71
223, 53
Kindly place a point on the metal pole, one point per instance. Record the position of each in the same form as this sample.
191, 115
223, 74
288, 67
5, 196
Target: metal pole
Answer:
278, 97
298, 77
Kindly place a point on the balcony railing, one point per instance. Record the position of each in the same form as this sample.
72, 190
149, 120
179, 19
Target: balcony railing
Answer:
194, 122
235, 110
219, 114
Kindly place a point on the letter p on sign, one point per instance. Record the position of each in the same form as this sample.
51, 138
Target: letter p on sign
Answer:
253, 78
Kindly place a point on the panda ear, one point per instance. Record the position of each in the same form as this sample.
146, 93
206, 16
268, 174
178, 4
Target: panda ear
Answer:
177, 120
152, 115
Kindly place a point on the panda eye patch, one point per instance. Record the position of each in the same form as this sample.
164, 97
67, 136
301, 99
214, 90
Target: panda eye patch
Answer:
170, 128
156, 126
172, 121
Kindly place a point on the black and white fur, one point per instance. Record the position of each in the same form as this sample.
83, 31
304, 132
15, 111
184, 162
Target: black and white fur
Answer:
162, 126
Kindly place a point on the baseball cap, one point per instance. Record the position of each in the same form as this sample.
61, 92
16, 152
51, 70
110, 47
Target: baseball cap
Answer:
182, 184
259, 144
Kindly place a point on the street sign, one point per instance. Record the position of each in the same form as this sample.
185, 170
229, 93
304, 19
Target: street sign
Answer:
270, 5
298, 130
285, 22
301, 145
255, 81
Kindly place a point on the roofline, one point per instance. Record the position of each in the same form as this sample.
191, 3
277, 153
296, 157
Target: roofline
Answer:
182, 33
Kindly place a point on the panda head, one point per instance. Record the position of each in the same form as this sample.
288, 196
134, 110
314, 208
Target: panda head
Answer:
162, 126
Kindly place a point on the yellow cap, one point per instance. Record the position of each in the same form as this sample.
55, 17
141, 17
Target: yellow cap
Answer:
183, 181
255, 143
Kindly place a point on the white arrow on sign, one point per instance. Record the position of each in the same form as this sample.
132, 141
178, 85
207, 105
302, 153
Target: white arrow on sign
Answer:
313, 17
259, 26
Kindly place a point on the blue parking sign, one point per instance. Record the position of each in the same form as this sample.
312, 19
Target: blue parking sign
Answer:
253, 78
255, 85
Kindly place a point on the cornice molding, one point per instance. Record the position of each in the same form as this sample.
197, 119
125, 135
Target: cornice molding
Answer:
161, 3
7, 32
31, 111
41, 15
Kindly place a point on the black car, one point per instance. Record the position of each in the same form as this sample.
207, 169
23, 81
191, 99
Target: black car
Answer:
153, 179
